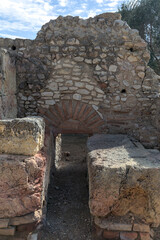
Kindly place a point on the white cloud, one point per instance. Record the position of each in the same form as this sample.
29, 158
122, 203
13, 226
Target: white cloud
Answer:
93, 13
10, 36
78, 11
30, 15
113, 3
26, 14
99, 1
6, 25
63, 3
84, 5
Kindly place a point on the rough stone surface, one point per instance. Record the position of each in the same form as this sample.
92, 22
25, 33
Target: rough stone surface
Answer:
111, 235
21, 181
98, 61
112, 226
123, 178
10, 231
141, 228
145, 236
21, 136
29, 218
4, 223
82, 76
8, 99
128, 236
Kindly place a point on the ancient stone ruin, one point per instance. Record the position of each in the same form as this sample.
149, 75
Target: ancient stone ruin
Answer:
81, 76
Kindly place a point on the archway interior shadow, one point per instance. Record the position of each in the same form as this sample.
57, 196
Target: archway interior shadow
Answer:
68, 215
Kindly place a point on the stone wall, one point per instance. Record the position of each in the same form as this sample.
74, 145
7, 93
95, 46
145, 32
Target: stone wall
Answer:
100, 62
8, 99
24, 176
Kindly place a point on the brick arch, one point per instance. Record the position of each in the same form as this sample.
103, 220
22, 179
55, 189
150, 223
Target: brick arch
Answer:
71, 116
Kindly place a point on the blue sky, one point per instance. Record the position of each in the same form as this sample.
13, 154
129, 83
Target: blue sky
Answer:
24, 18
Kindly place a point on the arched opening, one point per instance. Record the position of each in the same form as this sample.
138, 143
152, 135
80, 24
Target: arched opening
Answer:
73, 117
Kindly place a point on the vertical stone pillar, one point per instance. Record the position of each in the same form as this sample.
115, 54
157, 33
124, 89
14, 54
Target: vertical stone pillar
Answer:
25, 162
8, 101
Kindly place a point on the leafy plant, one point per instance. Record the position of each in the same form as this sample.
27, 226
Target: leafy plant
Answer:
144, 15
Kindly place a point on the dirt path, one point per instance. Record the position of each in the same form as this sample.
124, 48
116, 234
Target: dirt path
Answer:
68, 216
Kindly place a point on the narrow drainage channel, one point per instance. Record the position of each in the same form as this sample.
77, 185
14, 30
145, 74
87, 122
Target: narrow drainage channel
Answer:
68, 216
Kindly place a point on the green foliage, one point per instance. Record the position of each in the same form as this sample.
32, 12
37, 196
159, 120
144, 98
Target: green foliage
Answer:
144, 15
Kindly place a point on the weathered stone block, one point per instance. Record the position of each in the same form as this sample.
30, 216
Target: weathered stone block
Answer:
4, 223
145, 236
21, 186
29, 218
23, 136
10, 231
111, 235
141, 228
123, 177
8, 101
112, 226
128, 236
30, 227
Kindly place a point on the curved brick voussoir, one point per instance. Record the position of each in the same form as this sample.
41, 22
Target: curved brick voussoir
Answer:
73, 116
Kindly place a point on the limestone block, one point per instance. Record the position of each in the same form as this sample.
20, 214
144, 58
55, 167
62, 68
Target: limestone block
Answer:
132, 59
89, 61
23, 136
21, 182
77, 96
54, 49
9, 73
125, 83
83, 91
29, 218
50, 102
141, 74
4, 223
79, 59
124, 178
47, 94
89, 87
96, 60
8, 101
105, 224
10, 231
8, 105
112, 68
98, 68
128, 235
79, 84
73, 41
141, 228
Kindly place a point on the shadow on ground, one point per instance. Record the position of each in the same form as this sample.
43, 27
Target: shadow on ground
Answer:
68, 216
